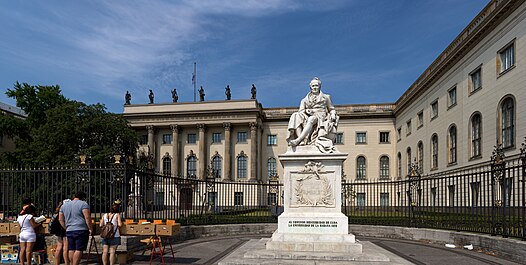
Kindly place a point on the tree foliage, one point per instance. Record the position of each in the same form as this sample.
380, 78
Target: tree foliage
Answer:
58, 129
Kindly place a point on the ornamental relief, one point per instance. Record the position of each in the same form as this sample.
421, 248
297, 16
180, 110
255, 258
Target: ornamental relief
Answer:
311, 187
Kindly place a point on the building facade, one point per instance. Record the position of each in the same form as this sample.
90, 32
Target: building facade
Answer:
466, 102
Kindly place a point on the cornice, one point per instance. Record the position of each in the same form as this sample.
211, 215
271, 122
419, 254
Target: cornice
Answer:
489, 18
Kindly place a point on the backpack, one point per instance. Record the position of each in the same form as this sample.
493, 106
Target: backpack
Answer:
54, 227
107, 231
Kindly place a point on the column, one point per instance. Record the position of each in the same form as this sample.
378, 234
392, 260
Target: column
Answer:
227, 175
151, 144
175, 150
253, 151
201, 171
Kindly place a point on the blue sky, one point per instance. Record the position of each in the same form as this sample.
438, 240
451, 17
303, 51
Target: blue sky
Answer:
363, 51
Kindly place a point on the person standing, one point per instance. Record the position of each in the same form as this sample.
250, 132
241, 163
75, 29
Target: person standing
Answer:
62, 243
110, 245
28, 237
75, 217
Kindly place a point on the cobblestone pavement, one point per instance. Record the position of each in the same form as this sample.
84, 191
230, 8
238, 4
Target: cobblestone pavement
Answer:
211, 250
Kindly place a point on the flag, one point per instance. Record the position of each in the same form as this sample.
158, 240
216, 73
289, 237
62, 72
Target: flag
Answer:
193, 79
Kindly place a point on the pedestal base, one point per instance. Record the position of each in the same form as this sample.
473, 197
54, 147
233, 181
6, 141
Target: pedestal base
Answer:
314, 243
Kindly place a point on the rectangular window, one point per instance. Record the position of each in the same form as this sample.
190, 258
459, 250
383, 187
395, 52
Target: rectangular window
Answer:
420, 117
360, 199
408, 123
475, 80
361, 138
339, 138
238, 198
241, 137
384, 199
216, 137
384, 137
143, 139
452, 97
399, 134
192, 139
434, 109
272, 139
506, 58
167, 138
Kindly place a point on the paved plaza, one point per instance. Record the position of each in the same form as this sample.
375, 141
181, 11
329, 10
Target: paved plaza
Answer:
212, 249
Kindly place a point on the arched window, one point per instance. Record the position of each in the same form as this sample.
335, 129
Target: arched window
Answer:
476, 135
434, 151
507, 122
384, 167
242, 165
167, 166
217, 165
452, 144
408, 160
361, 168
420, 155
191, 162
271, 167
399, 165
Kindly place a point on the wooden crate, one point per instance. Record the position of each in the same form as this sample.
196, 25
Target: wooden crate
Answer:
14, 228
42, 229
129, 229
146, 229
167, 230
4, 228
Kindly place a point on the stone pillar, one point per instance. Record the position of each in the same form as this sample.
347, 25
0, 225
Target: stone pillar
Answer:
201, 171
227, 175
175, 150
253, 151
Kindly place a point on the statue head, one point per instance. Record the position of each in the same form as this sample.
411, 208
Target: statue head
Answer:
315, 85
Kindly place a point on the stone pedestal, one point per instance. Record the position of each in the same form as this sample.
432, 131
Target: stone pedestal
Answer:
312, 220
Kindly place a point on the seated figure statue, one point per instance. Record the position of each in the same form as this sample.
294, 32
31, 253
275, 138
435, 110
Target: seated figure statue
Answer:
315, 122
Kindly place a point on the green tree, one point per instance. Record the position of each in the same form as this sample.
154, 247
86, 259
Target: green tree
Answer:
58, 129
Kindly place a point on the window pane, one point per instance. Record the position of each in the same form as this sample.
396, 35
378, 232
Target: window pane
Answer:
384, 167
339, 138
361, 138
167, 166
360, 168
453, 96
434, 146
475, 136
453, 144
192, 138
242, 137
508, 120
271, 167
272, 139
242, 167
384, 137
191, 167
217, 164
167, 138
216, 137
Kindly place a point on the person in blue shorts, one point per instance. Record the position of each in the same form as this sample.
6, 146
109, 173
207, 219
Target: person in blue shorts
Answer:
75, 217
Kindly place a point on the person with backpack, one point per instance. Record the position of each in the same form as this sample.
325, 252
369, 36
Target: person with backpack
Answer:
111, 238
27, 237
56, 229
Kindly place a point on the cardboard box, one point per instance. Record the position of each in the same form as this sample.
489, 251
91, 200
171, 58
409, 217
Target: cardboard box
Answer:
4, 228
129, 229
7, 239
42, 229
146, 230
167, 230
14, 228
9, 253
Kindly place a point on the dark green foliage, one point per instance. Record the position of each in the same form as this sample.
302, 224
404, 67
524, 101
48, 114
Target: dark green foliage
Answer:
58, 129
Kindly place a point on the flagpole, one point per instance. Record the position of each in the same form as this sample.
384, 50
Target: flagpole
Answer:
194, 80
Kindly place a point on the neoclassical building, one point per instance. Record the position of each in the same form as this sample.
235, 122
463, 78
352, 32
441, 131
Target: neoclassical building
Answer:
467, 101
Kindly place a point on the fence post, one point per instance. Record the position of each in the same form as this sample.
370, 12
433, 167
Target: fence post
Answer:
414, 185
523, 190
498, 166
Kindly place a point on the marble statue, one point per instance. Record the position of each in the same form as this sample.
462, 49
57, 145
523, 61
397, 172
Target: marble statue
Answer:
151, 96
201, 94
253, 91
227, 93
127, 98
175, 97
315, 122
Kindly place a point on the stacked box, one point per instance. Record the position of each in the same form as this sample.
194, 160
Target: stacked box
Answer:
42, 229
14, 228
167, 230
7, 239
129, 229
4, 228
147, 230
9, 253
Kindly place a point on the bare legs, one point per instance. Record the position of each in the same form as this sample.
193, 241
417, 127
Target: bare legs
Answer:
111, 250
74, 256
26, 252
62, 250
306, 131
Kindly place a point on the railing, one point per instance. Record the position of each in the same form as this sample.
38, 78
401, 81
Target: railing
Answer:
489, 198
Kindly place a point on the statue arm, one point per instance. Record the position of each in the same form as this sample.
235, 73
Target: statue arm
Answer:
330, 108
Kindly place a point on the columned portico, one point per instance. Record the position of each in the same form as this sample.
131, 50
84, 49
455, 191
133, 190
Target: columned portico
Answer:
227, 175
201, 171
175, 149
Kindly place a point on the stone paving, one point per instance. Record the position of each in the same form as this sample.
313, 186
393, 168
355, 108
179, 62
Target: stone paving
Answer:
211, 250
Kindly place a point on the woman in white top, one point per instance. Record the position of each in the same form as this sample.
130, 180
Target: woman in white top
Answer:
28, 237
110, 245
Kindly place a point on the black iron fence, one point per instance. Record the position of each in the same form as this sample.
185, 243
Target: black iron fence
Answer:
487, 198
